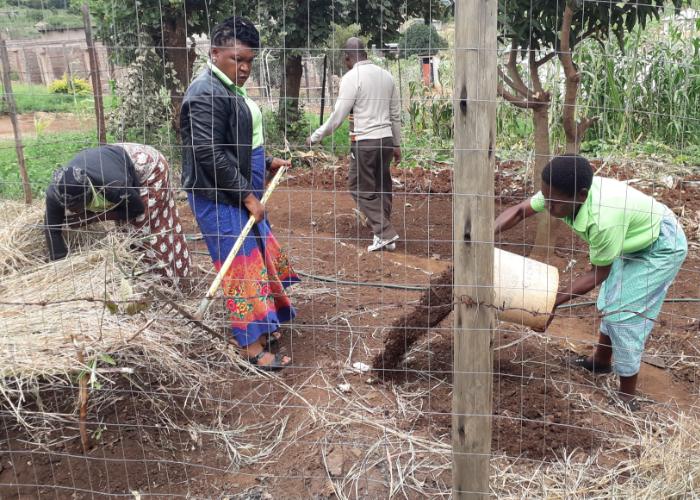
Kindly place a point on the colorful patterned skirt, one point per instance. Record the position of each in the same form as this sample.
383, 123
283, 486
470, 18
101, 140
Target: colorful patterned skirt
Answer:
254, 285
164, 242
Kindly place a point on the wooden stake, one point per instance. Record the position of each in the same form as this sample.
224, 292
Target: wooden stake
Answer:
323, 87
95, 76
83, 396
12, 108
473, 209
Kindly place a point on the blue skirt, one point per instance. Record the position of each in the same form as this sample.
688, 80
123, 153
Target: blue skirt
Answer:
254, 285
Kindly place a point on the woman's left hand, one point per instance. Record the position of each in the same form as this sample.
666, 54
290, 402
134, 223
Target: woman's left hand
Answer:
278, 163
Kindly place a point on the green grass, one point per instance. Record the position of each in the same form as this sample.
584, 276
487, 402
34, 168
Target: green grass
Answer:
42, 155
31, 98
21, 22
338, 143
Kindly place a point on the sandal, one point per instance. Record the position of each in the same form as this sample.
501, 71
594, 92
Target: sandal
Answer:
272, 340
632, 404
586, 363
274, 366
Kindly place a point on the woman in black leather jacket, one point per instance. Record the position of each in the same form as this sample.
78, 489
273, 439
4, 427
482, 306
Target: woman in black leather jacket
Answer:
224, 171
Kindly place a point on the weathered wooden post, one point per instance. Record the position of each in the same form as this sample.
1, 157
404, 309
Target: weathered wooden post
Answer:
473, 208
95, 75
12, 109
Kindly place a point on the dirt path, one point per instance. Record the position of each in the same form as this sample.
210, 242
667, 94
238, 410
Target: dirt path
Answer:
41, 122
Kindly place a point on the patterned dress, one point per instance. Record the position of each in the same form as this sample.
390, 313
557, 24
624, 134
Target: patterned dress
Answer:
165, 245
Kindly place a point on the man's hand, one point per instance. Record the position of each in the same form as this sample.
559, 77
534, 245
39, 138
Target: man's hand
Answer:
397, 155
308, 141
278, 163
253, 205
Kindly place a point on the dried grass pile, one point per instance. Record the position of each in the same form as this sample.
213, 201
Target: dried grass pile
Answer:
88, 313
22, 243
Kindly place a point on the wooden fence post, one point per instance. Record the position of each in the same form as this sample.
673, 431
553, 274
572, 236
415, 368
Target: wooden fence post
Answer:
12, 108
95, 74
323, 87
473, 208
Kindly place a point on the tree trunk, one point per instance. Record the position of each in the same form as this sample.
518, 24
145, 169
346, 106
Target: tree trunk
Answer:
289, 100
176, 52
571, 130
289, 118
574, 131
540, 120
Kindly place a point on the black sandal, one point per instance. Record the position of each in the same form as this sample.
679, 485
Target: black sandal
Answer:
274, 366
633, 404
272, 341
586, 363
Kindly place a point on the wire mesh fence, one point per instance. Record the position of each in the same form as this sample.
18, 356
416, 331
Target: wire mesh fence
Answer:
120, 378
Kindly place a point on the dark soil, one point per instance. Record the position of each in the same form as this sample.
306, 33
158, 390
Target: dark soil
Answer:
435, 304
532, 417
535, 416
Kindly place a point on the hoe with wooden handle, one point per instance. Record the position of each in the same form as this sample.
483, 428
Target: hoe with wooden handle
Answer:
206, 301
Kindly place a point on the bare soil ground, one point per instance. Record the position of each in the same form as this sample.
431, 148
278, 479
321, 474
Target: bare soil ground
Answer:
308, 435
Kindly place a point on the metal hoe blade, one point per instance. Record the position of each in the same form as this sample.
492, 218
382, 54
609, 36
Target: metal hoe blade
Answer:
185, 314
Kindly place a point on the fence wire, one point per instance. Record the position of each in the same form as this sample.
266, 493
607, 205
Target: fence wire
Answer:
114, 385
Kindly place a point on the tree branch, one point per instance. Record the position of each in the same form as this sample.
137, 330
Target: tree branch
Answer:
571, 128
584, 125
516, 101
513, 85
586, 34
535, 74
546, 58
513, 71
565, 43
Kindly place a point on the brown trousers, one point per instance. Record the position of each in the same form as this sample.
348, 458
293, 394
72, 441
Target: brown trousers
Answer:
369, 182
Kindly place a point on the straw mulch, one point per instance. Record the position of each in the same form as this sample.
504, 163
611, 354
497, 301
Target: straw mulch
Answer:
93, 305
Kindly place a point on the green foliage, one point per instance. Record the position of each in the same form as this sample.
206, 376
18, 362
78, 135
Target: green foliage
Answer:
536, 24
421, 40
144, 100
30, 98
71, 86
649, 92
428, 112
431, 10
43, 155
338, 143
19, 21
292, 124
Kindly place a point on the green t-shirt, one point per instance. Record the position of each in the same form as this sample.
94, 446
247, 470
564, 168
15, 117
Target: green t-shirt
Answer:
615, 219
258, 139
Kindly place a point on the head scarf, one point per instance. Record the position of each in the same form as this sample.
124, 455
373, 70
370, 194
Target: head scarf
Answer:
70, 187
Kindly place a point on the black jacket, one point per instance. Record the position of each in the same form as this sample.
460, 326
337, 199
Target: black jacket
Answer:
217, 135
111, 173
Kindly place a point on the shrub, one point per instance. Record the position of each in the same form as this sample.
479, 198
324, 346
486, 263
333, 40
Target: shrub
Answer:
421, 40
75, 86
144, 100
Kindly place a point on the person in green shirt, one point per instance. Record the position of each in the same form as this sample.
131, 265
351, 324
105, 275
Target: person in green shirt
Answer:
636, 248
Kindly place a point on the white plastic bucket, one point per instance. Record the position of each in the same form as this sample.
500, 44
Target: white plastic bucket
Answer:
524, 289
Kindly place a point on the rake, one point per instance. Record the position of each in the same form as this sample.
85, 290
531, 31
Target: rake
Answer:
196, 317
